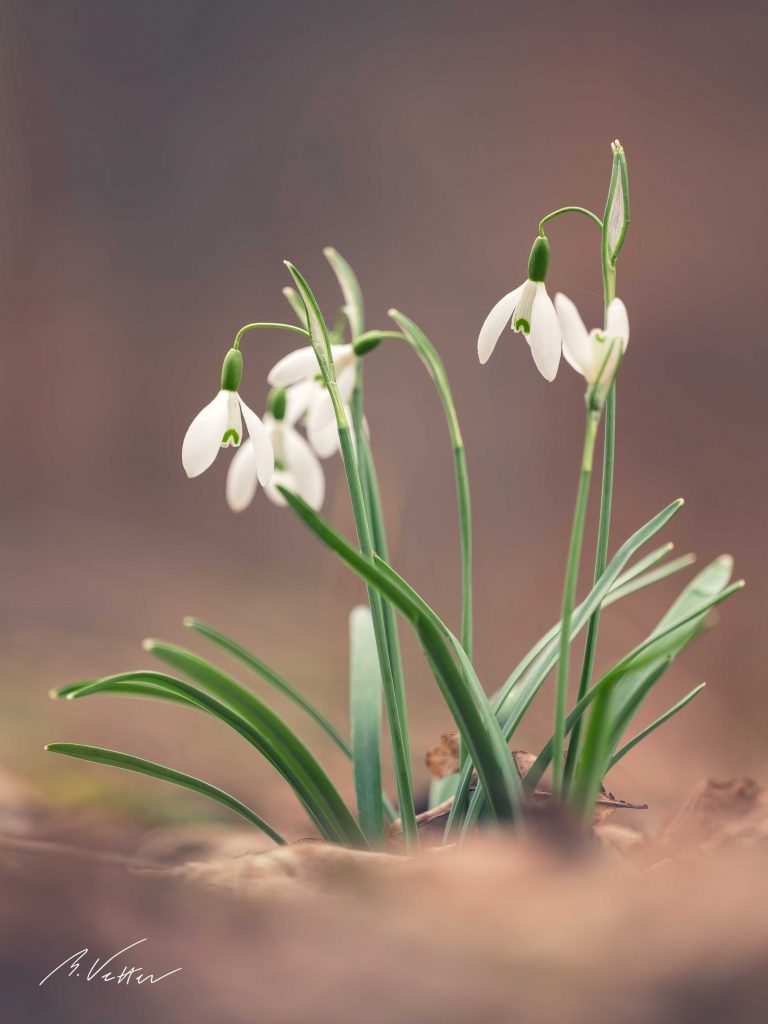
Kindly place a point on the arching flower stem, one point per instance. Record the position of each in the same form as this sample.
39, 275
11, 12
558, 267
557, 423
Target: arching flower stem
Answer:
253, 327
613, 228
569, 209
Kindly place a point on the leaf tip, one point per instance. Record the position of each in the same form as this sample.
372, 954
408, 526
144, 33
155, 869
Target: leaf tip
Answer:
149, 644
189, 621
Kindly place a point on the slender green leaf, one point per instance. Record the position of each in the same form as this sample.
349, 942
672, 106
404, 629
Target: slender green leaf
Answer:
168, 687
365, 713
656, 647
655, 725
463, 694
128, 762
350, 289
476, 722
294, 301
287, 751
270, 676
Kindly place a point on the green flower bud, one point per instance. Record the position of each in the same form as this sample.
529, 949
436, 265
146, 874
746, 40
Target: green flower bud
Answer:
538, 261
232, 370
277, 400
366, 342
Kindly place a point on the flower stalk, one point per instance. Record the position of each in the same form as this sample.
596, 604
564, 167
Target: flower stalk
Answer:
395, 705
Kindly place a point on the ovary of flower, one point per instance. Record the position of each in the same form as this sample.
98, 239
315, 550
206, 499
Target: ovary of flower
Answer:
596, 353
220, 425
529, 310
297, 468
300, 373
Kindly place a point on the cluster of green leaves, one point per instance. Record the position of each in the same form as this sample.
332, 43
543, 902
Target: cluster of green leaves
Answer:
486, 724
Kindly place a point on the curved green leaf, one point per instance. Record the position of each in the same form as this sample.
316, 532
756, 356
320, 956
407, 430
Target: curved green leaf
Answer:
116, 759
269, 675
365, 697
292, 758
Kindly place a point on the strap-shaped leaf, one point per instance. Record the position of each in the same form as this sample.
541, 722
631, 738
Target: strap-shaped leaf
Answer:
646, 657
269, 675
116, 759
655, 724
365, 698
464, 696
350, 288
169, 688
515, 696
286, 751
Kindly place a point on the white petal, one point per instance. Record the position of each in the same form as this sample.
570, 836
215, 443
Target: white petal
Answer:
202, 439
305, 467
577, 347
320, 411
284, 479
262, 445
346, 383
242, 477
495, 323
298, 398
300, 364
545, 338
324, 439
617, 322
343, 356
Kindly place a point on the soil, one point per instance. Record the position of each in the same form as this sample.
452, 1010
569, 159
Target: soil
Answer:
622, 928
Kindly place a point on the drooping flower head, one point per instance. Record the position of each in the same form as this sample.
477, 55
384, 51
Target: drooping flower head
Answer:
529, 310
220, 425
299, 372
297, 468
594, 354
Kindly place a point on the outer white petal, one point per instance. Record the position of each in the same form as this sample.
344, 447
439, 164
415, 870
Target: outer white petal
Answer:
346, 382
324, 439
617, 322
262, 444
343, 355
284, 479
305, 468
300, 364
320, 411
577, 347
242, 477
298, 399
495, 323
545, 338
203, 438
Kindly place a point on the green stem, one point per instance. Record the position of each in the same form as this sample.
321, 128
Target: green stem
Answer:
569, 209
428, 354
398, 725
608, 260
569, 597
253, 327
369, 481
601, 560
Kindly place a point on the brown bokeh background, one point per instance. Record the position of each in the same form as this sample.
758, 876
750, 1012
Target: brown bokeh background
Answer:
161, 160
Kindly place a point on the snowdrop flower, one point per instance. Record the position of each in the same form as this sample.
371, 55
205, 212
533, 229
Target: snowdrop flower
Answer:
531, 312
220, 424
296, 466
300, 372
595, 354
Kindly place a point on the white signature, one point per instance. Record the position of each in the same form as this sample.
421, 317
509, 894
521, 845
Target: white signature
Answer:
73, 966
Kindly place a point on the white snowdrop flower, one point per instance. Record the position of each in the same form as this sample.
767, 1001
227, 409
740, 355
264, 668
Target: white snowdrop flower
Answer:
220, 424
299, 370
530, 311
594, 354
297, 468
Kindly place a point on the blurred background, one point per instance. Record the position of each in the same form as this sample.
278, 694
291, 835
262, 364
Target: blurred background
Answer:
161, 160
